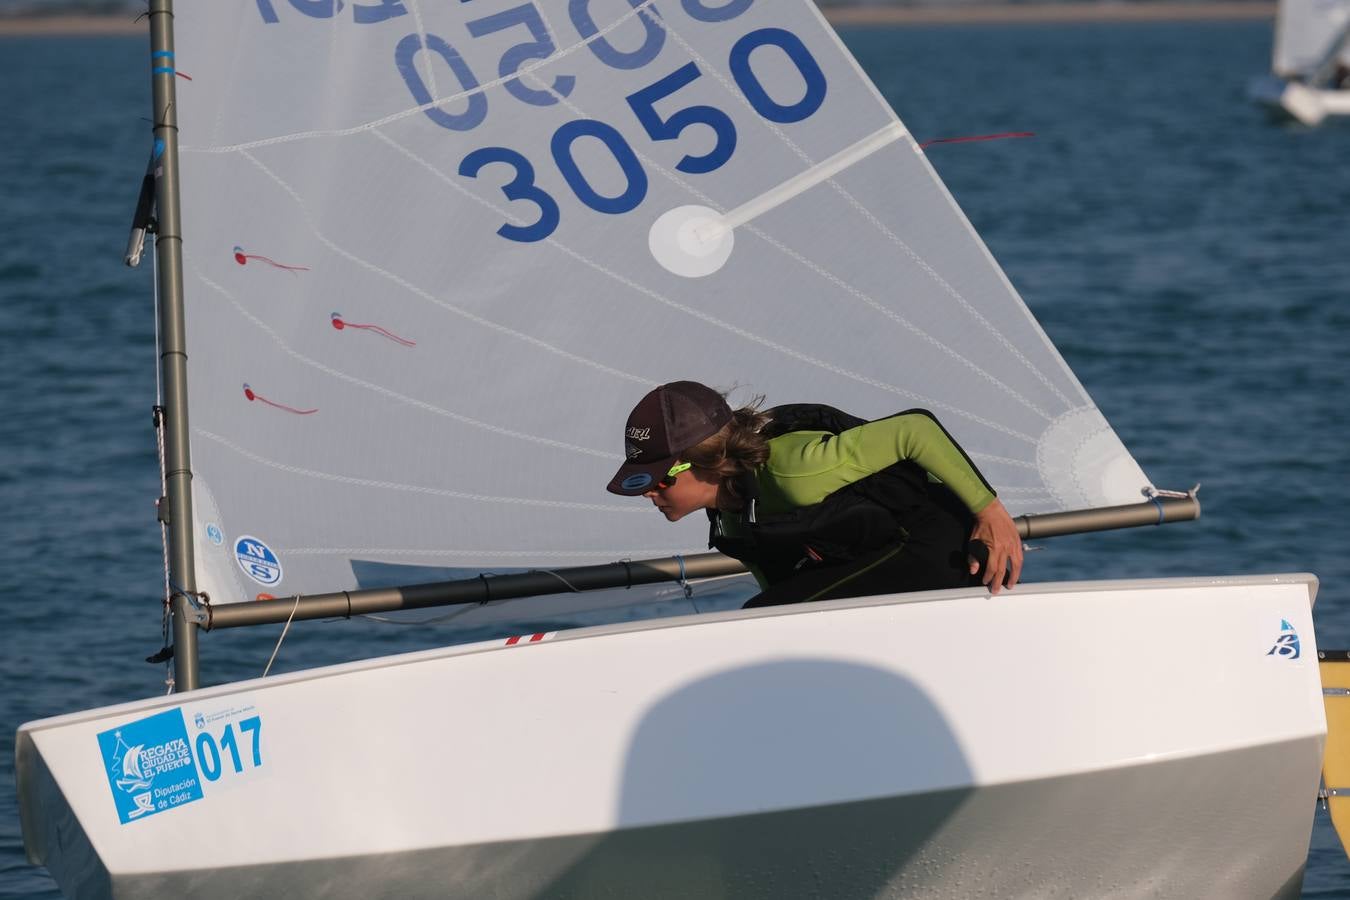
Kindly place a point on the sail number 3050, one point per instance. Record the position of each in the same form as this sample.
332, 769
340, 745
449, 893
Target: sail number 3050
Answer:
526, 19
214, 753
659, 128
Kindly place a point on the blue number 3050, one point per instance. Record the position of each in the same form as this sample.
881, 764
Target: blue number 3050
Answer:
643, 103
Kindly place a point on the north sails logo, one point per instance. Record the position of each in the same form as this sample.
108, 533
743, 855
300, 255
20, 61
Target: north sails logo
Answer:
638, 434
1286, 645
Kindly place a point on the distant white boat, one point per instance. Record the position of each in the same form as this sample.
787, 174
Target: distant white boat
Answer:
1310, 64
530, 214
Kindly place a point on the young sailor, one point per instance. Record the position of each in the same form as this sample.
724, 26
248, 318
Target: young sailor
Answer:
820, 504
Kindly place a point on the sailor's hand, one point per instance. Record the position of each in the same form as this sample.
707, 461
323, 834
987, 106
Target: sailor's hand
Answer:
997, 531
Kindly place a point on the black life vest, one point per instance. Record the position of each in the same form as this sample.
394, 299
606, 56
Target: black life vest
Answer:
895, 505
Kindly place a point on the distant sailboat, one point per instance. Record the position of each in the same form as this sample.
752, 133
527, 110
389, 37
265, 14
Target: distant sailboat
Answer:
1310, 62
561, 204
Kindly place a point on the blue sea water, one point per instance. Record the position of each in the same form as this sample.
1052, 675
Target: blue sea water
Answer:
1188, 257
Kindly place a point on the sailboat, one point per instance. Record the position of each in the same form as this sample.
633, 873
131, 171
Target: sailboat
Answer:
415, 262
133, 779
1310, 63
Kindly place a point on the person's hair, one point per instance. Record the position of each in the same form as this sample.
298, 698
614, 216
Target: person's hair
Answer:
734, 450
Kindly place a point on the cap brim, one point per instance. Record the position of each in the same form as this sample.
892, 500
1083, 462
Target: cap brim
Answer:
635, 479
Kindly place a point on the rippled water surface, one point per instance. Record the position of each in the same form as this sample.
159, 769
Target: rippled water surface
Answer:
1188, 257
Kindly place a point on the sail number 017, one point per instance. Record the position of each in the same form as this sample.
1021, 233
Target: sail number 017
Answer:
212, 754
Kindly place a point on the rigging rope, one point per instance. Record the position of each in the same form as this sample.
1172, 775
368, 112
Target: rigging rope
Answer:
434, 620
684, 583
165, 654
284, 630
682, 579
978, 137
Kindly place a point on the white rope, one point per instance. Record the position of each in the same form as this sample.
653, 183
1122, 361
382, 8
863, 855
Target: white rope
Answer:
277, 648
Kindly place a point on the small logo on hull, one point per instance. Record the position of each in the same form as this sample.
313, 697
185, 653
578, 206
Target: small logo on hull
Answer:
1286, 645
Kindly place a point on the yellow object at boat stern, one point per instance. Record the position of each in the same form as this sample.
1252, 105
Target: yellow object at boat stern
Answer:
1335, 793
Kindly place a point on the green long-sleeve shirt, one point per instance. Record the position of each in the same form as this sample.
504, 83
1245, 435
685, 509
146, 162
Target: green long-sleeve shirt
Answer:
805, 467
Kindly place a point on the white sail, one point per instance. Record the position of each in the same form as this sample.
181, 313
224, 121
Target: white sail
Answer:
1310, 35
434, 252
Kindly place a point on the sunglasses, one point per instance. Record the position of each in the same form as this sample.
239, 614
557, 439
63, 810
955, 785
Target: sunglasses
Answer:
669, 478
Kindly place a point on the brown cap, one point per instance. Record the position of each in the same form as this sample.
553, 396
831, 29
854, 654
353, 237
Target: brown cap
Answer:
664, 424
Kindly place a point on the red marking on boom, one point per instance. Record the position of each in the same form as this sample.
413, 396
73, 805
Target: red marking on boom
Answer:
979, 137
242, 258
339, 323
253, 395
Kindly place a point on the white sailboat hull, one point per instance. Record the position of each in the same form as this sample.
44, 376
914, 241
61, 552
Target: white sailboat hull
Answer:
1092, 739
1295, 100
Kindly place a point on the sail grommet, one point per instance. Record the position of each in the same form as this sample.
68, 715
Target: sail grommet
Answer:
691, 241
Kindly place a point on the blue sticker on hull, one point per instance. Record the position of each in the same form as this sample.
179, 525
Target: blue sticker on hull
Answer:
1286, 645
150, 765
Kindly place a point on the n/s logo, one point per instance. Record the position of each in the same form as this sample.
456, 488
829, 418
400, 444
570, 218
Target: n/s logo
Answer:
1286, 644
257, 560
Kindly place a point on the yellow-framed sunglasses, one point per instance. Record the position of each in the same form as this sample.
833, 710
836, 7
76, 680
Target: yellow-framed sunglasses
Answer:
674, 470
